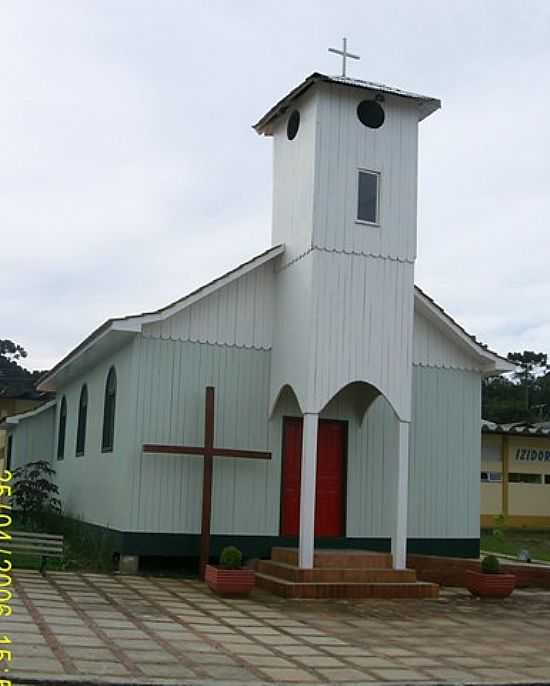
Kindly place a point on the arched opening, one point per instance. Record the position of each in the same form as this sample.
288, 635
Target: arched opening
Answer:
286, 402
357, 396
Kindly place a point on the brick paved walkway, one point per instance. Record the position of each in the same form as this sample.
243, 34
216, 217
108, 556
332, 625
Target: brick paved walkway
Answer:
144, 628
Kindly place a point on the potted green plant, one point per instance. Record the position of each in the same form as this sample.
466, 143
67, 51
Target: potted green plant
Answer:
230, 577
491, 581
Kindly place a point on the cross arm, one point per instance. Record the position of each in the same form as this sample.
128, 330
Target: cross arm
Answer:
175, 449
195, 450
344, 53
250, 454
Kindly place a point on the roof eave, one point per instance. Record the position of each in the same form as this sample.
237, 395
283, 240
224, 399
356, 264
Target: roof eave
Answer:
427, 105
14, 419
490, 363
112, 334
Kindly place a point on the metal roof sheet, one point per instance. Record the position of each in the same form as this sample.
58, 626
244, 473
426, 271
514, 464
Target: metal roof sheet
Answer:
427, 104
515, 428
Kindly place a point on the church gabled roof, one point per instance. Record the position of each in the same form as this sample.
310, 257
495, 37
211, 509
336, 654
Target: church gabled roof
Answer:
427, 105
116, 332
427, 306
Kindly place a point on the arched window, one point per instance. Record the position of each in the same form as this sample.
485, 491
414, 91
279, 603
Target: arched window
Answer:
82, 417
62, 428
108, 437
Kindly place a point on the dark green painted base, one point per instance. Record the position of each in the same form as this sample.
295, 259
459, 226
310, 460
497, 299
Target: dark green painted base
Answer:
445, 547
188, 545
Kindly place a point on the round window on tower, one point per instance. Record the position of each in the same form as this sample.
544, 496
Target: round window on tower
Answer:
293, 125
371, 114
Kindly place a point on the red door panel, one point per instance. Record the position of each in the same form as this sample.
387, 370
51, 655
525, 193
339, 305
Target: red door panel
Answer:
329, 499
292, 471
329, 507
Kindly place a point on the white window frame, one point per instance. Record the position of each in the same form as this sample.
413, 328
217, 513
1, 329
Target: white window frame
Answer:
492, 477
378, 175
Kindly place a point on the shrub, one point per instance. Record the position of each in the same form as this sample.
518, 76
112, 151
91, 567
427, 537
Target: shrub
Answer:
490, 565
231, 558
499, 528
35, 493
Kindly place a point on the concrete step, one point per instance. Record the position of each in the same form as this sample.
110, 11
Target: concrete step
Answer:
282, 570
326, 590
337, 559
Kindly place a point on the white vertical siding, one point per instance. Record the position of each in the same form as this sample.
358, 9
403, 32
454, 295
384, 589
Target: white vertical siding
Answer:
33, 439
291, 353
345, 145
131, 491
345, 310
240, 314
293, 180
371, 462
363, 327
168, 488
445, 454
444, 460
94, 486
432, 347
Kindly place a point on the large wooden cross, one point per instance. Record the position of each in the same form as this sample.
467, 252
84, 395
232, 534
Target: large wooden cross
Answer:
208, 452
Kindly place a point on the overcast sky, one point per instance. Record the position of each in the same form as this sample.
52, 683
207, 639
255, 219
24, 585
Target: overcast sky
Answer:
129, 172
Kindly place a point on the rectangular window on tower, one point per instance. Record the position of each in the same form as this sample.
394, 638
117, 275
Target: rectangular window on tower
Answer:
368, 197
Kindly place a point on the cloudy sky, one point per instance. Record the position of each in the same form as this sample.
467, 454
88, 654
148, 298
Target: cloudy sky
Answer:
129, 173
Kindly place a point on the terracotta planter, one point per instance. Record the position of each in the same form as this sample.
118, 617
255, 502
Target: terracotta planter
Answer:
490, 585
230, 581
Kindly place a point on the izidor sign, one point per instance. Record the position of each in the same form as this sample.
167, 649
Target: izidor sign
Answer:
532, 455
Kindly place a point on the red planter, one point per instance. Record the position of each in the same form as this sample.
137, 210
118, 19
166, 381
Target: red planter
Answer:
230, 581
489, 585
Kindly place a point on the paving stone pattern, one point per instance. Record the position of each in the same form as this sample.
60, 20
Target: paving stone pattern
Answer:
143, 628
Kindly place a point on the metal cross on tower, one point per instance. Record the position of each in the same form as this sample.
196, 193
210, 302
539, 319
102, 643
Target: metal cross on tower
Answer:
344, 52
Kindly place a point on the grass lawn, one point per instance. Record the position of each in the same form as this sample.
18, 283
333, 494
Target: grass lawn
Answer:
21, 561
514, 540
83, 550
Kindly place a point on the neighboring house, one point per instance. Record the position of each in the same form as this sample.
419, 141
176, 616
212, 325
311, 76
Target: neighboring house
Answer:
35, 431
321, 351
515, 474
13, 404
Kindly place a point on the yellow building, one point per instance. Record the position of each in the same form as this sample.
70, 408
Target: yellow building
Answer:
515, 474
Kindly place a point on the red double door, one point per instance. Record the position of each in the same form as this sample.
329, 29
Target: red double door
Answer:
330, 482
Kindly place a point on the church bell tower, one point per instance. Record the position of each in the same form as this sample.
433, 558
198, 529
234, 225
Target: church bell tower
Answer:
344, 206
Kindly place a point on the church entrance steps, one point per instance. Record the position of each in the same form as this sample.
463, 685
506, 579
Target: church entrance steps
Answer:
356, 559
340, 574
288, 572
332, 590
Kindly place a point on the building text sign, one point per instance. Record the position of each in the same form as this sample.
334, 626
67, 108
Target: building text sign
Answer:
532, 455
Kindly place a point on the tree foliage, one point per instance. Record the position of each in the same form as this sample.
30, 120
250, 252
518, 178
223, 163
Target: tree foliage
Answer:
15, 380
34, 493
523, 395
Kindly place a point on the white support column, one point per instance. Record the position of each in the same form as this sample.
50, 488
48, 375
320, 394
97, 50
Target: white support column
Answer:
307, 491
399, 538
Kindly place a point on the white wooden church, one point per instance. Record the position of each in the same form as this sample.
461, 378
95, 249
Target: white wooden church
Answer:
322, 352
